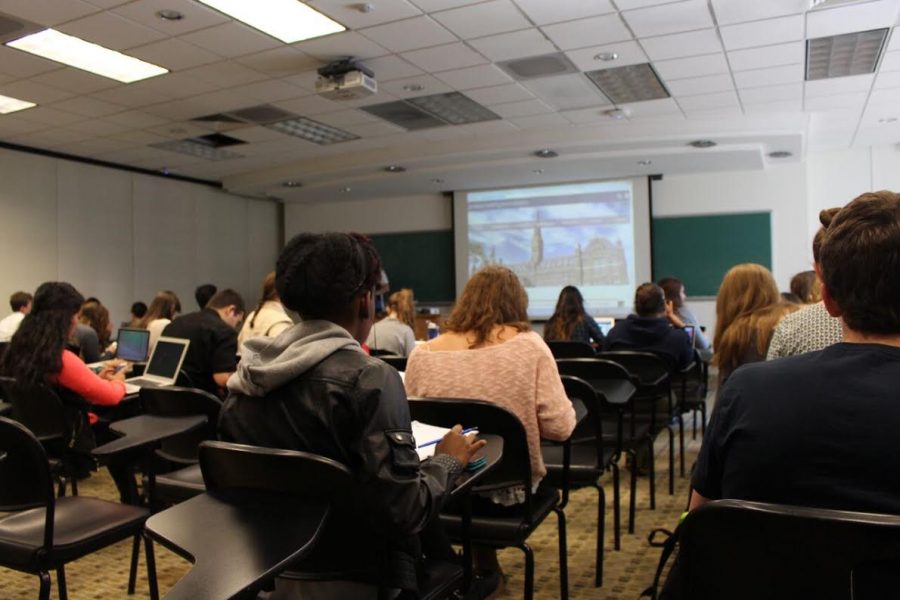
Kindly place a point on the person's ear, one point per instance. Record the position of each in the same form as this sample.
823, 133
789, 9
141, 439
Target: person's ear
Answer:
830, 305
365, 305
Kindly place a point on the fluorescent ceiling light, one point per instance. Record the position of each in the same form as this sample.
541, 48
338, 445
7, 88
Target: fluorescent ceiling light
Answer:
75, 52
287, 20
11, 105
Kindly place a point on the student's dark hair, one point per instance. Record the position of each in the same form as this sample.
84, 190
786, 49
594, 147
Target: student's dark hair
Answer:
35, 352
165, 305
649, 300
96, 316
18, 300
791, 298
267, 294
203, 293
826, 216
318, 274
93, 299
672, 287
860, 263
493, 296
805, 287
569, 312
139, 309
227, 297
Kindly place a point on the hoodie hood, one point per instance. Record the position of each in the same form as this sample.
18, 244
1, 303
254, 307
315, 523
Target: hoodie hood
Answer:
268, 363
647, 331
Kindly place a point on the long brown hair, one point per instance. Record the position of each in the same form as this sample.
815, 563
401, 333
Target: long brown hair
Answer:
755, 328
746, 288
164, 306
493, 296
96, 316
401, 303
267, 294
569, 312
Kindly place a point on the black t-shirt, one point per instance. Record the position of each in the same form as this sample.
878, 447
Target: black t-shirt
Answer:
817, 429
213, 347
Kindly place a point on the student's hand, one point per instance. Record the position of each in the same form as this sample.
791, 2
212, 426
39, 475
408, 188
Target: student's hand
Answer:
459, 446
113, 370
671, 316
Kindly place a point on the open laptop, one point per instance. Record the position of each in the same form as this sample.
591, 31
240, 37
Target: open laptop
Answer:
690, 331
163, 367
605, 324
132, 344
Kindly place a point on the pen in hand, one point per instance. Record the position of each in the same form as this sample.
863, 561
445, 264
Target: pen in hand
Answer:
463, 432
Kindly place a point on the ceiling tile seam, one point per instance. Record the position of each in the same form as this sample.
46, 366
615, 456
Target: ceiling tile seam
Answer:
882, 53
715, 20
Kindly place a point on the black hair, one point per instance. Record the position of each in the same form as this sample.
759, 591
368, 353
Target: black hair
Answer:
18, 300
568, 314
139, 309
318, 274
672, 288
203, 293
34, 354
227, 297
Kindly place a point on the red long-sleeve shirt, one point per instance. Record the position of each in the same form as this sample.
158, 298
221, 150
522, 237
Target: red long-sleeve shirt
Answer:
77, 377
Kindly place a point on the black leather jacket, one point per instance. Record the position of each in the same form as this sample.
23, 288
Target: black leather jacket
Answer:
352, 408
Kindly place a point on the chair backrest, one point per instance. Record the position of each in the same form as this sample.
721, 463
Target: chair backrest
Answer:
593, 423
379, 352
735, 549
25, 480
398, 362
183, 379
171, 401
36, 407
591, 369
228, 466
515, 465
569, 349
646, 367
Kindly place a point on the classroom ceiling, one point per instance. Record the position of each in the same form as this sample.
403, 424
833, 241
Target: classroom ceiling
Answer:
734, 72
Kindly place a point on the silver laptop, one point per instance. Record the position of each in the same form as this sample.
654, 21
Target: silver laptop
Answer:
162, 369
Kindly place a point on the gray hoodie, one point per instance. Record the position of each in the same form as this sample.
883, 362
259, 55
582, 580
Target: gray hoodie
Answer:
268, 363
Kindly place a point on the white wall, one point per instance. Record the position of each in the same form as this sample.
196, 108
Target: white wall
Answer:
423, 212
123, 236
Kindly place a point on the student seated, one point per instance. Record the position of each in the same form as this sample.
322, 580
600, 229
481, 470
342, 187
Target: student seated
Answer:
394, 332
314, 389
96, 316
269, 318
164, 307
20, 303
805, 286
138, 310
675, 294
654, 327
570, 322
203, 293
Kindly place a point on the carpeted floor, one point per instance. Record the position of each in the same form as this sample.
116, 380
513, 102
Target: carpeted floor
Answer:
627, 572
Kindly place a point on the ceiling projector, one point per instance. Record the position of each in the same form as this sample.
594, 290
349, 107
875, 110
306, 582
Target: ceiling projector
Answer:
346, 80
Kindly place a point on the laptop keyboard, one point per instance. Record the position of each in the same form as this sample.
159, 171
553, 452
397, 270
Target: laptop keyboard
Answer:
142, 381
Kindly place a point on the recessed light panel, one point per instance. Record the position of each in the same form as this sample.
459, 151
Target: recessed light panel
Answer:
312, 131
843, 55
287, 20
631, 83
75, 52
11, 105
197, 148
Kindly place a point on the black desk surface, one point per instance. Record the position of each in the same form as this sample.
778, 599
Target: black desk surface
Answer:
616, 391
235, 539
145, 430
493, 452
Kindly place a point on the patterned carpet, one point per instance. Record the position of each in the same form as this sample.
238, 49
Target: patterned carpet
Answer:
627, 572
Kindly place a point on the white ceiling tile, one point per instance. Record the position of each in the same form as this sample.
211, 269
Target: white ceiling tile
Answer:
231, 40
20, 64
257, 134
780, 106
342, 45
894, 43
406, 88
142, 138
855, 100
479, 20
272, 90
890, 97
774, 93
281, 62
518, 44
630, 4
381, 96
695, 66
773, 76
679, 45
567, 92
435, 5
440, 134
628, 52
220, 101
839, 85
21, 126
669, 18
543, 12
762, 33
767, 56
304, 80
75, 80
225, 74
133, 95
136, 118
587, 32
310, 105
98, 127
174, 54
32, 91
391, 67
740, 11
890, 62
409, 34
540, 121
474, 77
89, 107
497, 94
344, 118
588, 115
50, 116
178, 130
49, 137
179, 110
111, 31
651, 108
524, 108
47, 12
196, 16
349, 14
707, 101
887, 80
847, 19
713, 114
881, 114
444, 58
374, 129
700, 85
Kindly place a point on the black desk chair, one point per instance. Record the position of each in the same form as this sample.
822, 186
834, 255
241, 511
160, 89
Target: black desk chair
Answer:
398, 362
749, 550
568, 349
692, 386
514, 469
589, 460
44, 533
380, 352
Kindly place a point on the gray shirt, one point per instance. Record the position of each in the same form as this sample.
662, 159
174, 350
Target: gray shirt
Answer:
391, 335
685, 314
809, 329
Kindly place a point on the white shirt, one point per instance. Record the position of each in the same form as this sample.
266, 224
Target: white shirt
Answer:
9, 325
155, 327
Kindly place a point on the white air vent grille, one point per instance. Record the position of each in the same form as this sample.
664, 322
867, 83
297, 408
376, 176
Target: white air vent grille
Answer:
538, 66
842, 55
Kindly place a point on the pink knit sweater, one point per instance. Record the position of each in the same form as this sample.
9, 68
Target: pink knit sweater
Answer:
519, 374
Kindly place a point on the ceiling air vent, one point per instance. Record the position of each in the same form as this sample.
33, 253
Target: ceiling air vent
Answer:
261, 114
538, 66
631, 83
433, 110
842, 55
218, 118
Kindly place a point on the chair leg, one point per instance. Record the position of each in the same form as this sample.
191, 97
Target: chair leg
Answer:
632, 499
61, 487
601, 534
652, 475
681, 442
703, 418
132, 573
44, 594
617, 509
563, 555
694, 427
671, 460
74, 481
529, 571
151, 569
61, 582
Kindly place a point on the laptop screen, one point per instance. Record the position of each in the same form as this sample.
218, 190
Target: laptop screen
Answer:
605, 324
689, 330
132, 344
166, 358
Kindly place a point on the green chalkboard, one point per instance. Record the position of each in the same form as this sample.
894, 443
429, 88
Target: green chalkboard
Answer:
699, 250
422, 260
